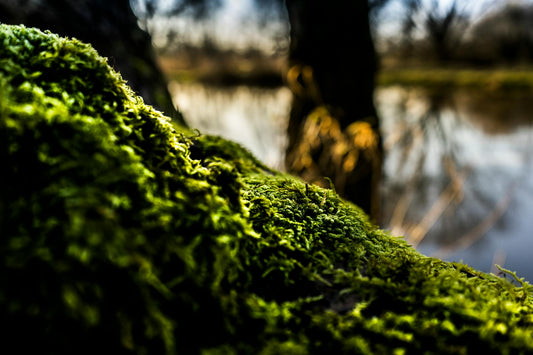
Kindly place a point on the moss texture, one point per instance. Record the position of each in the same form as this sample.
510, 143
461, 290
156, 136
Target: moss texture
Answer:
121, 233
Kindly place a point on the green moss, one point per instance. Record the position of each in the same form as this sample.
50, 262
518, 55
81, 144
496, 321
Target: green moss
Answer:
120, 232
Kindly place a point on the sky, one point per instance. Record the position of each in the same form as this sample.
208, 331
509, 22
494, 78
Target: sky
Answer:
235, 25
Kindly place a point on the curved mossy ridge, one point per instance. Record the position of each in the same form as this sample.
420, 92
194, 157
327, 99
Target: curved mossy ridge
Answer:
111, 234
118, 233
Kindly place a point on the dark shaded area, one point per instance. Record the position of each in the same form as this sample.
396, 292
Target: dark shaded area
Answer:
334, 39
111, 27
332, 65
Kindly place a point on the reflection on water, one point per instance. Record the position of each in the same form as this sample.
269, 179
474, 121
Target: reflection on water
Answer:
457, 166
457, 178
253, 117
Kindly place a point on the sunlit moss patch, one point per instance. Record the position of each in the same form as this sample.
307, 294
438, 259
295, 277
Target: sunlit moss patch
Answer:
120, 235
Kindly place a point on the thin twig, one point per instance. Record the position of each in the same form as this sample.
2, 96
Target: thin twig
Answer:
454, 191
483, 227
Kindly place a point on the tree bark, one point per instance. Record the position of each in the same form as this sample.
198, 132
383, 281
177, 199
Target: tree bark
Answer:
333, 128
111, 27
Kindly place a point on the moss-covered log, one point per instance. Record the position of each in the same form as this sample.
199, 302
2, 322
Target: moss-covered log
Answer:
122, 234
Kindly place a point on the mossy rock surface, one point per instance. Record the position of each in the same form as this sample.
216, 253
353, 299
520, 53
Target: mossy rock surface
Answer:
121, 233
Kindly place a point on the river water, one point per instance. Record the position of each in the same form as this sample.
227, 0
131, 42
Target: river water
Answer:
457, 171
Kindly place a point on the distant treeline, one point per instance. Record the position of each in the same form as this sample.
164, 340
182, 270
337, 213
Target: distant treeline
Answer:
501, 37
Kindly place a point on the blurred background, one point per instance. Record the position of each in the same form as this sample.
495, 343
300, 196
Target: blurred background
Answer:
419, 111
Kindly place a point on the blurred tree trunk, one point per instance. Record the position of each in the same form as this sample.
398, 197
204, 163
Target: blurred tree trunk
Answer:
111, 27
333, 128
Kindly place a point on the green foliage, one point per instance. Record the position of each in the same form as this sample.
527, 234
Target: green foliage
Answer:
118, 233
